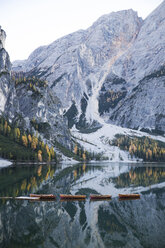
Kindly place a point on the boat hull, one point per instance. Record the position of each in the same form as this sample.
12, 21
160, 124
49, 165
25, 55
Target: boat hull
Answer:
129, 196
100, 197
42, 197
74, 197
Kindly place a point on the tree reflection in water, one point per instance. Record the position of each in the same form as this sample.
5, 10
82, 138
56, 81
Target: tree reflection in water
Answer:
140, 177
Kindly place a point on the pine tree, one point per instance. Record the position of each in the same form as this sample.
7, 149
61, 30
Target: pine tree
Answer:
30, 139
39, 155
8, 130
52, 153
84, 156
5, 128
24, 140
75, 149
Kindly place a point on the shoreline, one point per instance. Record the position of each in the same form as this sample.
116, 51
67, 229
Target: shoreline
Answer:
4, 163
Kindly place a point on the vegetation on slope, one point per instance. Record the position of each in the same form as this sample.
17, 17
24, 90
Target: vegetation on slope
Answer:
18, 144
84, 155
141, 147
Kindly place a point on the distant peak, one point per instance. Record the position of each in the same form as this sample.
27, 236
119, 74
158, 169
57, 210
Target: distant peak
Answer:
118, 15
2, 38
159, 11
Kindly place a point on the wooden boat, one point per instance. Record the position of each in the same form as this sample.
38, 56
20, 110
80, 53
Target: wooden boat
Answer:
44, 197
129, 196
100, 197
73, 197
71, 200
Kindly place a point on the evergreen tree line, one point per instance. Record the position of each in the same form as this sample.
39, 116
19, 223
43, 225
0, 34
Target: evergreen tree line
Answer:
21, 77
84, 155
32, 83
141, 147
29, 146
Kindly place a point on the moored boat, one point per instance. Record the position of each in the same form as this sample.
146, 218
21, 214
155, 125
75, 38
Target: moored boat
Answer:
124, 196
100, 197
42, 197
69, 197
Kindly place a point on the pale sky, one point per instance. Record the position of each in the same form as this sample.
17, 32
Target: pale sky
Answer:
32, 23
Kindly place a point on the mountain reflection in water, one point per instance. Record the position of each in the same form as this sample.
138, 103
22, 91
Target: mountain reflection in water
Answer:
114, 223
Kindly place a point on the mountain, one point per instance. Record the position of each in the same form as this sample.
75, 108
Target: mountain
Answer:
29, 104
76, 65
112, 72
142, 68
5, 67
109, 77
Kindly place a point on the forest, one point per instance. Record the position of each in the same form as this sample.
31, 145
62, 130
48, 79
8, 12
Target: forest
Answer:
20, 145
141, 147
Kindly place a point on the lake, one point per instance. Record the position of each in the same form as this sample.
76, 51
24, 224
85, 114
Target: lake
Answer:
136, 223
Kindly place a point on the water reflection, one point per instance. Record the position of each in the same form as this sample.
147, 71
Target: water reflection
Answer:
87, 223
16, 181
140, 177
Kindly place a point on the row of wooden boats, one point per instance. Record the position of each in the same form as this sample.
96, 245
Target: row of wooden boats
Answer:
51, 197
83, 197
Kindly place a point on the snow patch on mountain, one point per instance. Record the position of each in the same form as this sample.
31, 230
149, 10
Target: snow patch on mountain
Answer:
100, 141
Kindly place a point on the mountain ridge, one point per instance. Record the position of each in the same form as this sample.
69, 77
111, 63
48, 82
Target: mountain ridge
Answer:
73, 62
109, 74
127, 50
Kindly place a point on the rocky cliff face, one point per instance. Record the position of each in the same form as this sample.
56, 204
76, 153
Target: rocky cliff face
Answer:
113, 71
75, 64
142, 69
33, 106
30, 107
4, 71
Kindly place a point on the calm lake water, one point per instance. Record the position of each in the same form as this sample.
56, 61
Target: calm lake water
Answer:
130, 223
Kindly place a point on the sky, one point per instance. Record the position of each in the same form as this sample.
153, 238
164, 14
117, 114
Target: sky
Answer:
33, 23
